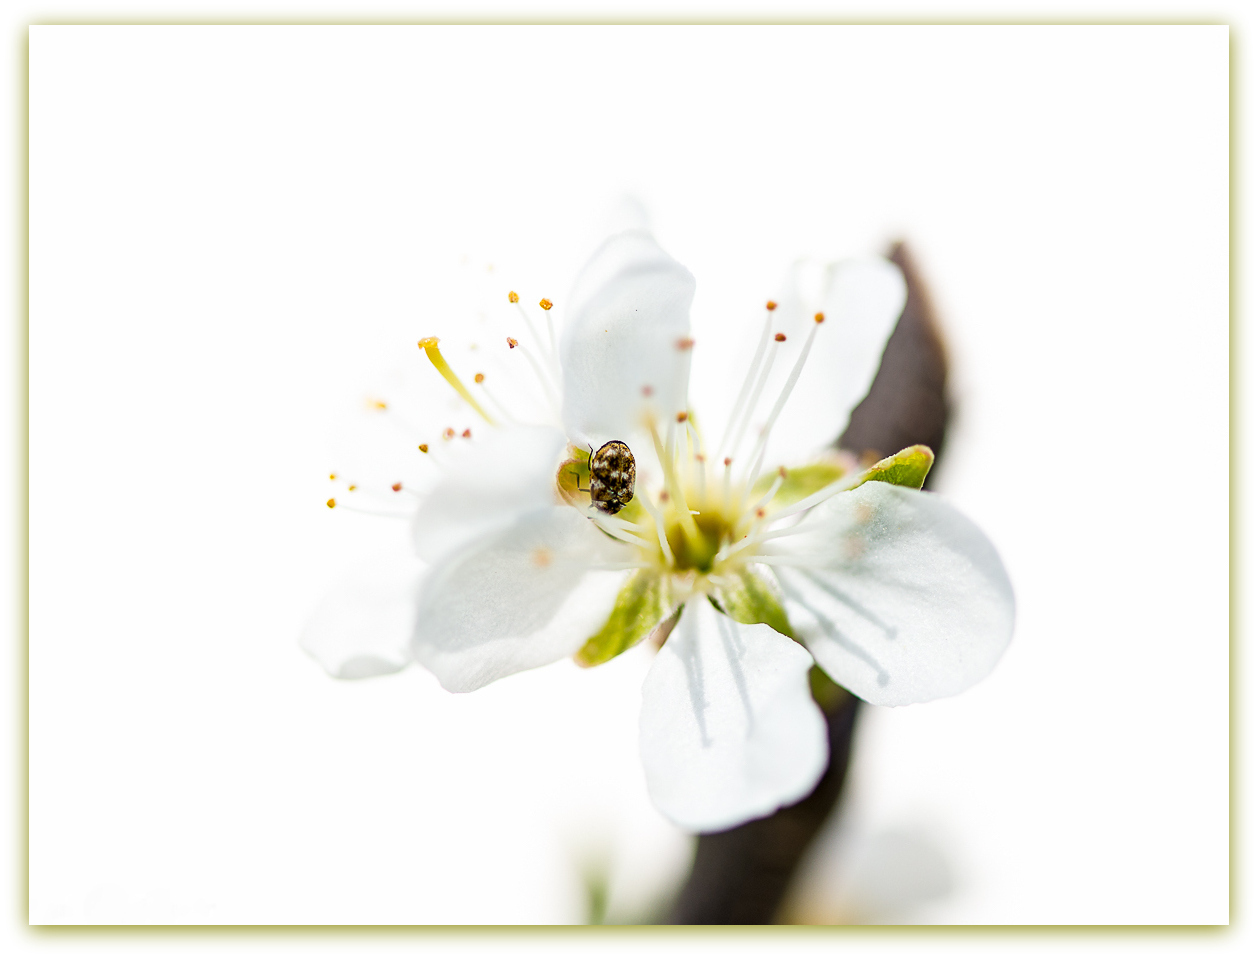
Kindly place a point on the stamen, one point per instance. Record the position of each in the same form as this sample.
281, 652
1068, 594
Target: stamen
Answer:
550, 330
762, 442
657, 520
499, 408
772, 491
747, 380
548, 389
753, 401
614, 531
821, 495
423, 447
688, 526
429, 346
529, 322
725, 484
333, 504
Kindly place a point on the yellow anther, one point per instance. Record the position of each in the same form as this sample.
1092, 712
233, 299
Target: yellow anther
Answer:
331, 503
423, 447
332, 476
352, 488
429, 346
513, 297
379, 404
545, 303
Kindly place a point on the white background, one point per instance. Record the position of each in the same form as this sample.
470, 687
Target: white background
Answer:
230, 229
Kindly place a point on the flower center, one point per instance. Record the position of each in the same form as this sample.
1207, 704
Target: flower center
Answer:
698, 552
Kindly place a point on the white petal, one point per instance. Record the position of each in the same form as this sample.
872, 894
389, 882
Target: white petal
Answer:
515, 599
489, 486
363, 626
623, 347
862, 301
729, 730
900, 597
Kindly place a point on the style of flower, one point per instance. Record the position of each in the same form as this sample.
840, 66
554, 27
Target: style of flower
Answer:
752, 557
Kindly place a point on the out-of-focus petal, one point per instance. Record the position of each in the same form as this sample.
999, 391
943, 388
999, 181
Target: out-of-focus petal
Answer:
862, 300
362, 628
489, 485
625, 345
898, 596
729, 730
515, 599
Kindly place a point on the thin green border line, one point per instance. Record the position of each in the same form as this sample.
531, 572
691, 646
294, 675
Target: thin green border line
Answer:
322, 931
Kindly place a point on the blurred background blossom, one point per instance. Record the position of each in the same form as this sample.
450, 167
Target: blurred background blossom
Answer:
237, 235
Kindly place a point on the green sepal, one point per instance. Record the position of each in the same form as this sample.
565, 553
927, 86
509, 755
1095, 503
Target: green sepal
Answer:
800, 482
643, 603
751, 599
908, 467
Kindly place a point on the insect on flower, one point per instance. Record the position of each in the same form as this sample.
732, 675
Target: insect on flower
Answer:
759, 554
612, 476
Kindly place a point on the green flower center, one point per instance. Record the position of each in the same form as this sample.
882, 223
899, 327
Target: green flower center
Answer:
698, 551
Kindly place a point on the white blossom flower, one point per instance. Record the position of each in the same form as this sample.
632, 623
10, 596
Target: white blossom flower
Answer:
751, 551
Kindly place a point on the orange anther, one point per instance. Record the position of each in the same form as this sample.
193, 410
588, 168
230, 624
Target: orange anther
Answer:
331, 503
663, 495
779, 338
397, 487
479, 377
467, 434
513, 297
728, 462
447, 433
682, 417
684, 344
820, 318
782, 471
511, 343
352, 488
770, 306
423, 447
759, 513
545, 303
